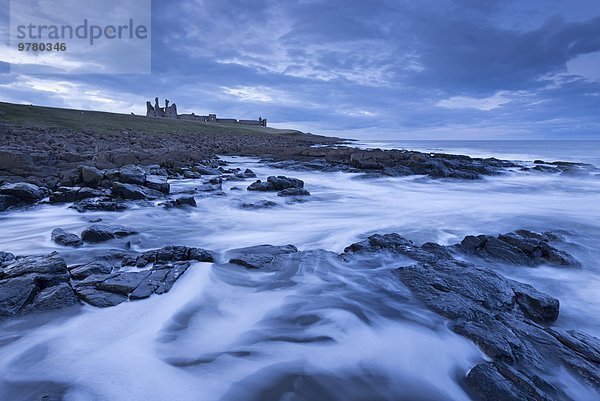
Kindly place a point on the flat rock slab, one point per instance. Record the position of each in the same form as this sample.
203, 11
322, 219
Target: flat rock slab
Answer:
105, 232
62, 237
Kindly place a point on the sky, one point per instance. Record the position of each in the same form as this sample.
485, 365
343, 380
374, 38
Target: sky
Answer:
368, 69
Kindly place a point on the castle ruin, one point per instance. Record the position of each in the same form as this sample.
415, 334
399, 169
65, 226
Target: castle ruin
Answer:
171, 112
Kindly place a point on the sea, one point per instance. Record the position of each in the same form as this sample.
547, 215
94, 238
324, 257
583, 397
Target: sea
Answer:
225, 333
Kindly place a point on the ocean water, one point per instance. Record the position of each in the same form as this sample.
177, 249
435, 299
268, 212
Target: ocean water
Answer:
320, 330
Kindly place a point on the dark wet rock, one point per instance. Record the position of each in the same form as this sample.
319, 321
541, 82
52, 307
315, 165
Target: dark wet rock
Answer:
191, 175
53, 298
7, 201
90, 176
132, 175
105, 204
245, 174
101, 299
258, 257
293, 192
81, 272
278, 183
134, 191
6, 257
62, 237
378, 242
23, 191
236, 189
105, 232
161, 279
73, 194
123, 283
158, 183
169, 253
262, 204
521, 248
536, 305
495, 381
51, 264
15, 293
182, 201
209, 187
205, 170
585, 345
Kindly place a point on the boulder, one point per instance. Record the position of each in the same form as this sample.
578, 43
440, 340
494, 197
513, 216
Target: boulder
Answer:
23, 191
7, 201
262, 204
52, 298
81, 272
205, 170
52, 264
278, 183
73, 194
158, 183
106, 204
132, 175
260, 256
134, 192
293, 192
104, 232
90, 176
245, 174
62, 237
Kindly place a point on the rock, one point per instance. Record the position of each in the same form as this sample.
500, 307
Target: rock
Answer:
83, 271
278, 183
134, 192
205, 170
293, 192
95, 204
160, 280
132, 175
6, 257
52, 264
14, 295
90, 176
584, 344
170, 254
258, 257
23, 191
262, 204
104, 232
521, 247
539, 307
185, 201
378, 242
7, 201
64, 238
245, 174
73, 194
123, 283
101, 299
158, 183
52, 298
494, 381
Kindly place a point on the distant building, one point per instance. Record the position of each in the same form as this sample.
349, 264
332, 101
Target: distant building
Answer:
171, 112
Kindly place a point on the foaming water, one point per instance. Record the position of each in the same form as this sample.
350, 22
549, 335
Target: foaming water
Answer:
224, 333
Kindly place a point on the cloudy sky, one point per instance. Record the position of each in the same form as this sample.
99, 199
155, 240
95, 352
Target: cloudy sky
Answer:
429, 69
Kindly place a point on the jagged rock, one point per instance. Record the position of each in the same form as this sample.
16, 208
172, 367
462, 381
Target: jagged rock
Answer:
6, 257
73, 194
278, 183
90, 176
204, 170
584, 344
94, 204
104, 232
101, 299
123, 283
539, 307
52, 264
62, 237
15, 293
134, 192
169, 254
181, 202
7, 201
132, 175
260, 256
293, 192
158, 183
52, 298
94, 268
161, 280
521, 247
245, 174
23, 191
262, 204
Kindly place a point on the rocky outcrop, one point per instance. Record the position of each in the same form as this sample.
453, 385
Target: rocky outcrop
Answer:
62, 237
106, 204
278, 183
508, 320
169, 253
182, 201
19, 194
521, 248
293, 192
105, 232
261, 256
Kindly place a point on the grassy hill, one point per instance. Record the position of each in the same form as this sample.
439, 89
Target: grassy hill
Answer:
102, 122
